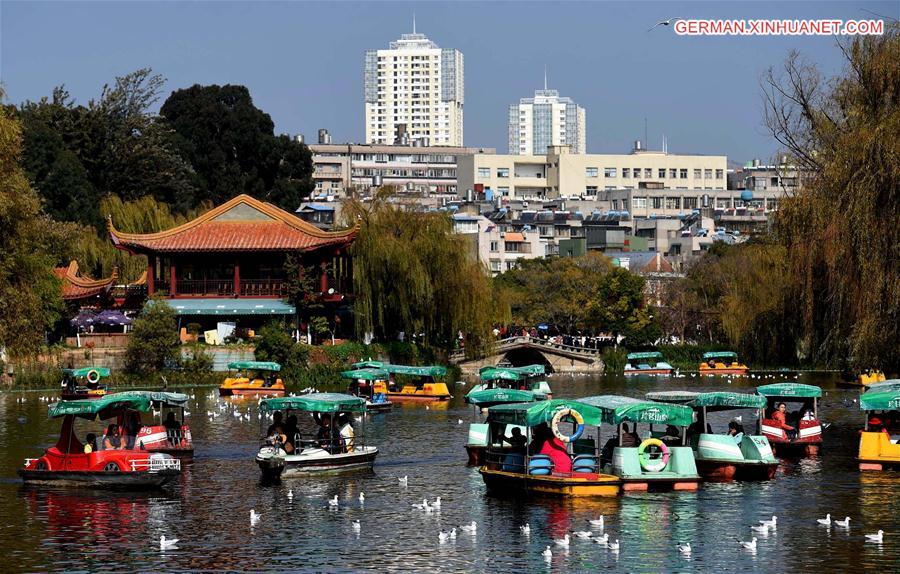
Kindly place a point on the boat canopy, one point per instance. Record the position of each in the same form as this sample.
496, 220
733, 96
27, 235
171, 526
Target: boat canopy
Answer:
368, 365
316, 403
883, 401
495, 374
255, 366
790, 390
672, 396
533, 414
883, 386
617, 409
647, 355
426, 371
527, 370
720, 355
83, 372
492, 397
108, 406
728, 400
366, 374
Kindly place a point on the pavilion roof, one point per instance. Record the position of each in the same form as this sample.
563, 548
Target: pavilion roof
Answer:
77, 287
240, 224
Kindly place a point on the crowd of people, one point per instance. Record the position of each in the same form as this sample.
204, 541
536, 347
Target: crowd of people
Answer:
553, 335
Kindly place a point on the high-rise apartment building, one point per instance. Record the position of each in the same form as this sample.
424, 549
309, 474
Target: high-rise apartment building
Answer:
546, 120
414, 93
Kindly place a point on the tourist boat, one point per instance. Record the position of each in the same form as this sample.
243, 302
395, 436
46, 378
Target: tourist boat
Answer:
879, 443
260, 379
652, 365
721, 457
422, 387
870, 377
507, 472
67, 464
362, 384
527, 378
316, 456
808, 437
660, 462
482, 400
83, 383
729, 365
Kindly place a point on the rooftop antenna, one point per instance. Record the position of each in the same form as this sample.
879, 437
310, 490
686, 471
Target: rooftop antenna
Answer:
414, 22
545, 77
646, 141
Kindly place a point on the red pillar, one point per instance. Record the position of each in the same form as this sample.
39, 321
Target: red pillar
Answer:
237, 279
323, 278
172, 290
151, 273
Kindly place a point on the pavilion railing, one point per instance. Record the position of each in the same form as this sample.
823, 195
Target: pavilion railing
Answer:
211, 287
262, 287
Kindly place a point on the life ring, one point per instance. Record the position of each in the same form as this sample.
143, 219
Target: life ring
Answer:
579, 421
653, 465
93, 376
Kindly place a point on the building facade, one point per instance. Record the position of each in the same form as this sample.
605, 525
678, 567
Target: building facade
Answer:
559, 173
534, 124
497, 249
414, 92
416, 168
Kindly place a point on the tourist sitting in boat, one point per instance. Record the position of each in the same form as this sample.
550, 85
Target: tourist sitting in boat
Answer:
90, 443
292, 432
173, 429
112, 440
780, 418
556, 450
346, 432
539, 435
276, 420
132, 428
279, 439
516, 440
736, 431
672, 436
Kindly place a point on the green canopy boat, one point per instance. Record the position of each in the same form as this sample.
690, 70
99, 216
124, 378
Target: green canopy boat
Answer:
316, 403
362, 384
83, 372
368, 365
425, 371
723, 401
493, 397
887, 400
790, 390
366, 374
883, 386
533, 414
108, 406
645, 355
618, 409
255, 366
720, 355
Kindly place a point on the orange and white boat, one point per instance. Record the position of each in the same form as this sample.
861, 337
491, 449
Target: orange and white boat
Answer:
253, 378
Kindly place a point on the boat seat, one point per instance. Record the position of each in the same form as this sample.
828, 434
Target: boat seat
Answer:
513, 462
584, 463
540, 464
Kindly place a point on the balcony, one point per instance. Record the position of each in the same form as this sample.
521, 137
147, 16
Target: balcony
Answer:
226, 288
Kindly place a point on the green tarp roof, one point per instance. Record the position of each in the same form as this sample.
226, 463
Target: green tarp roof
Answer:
491, 397
533, 414
647, 355
366, 374
883, 386
617, 409
108, 405
883, 401
226, 307
719, 355
712, 401
255, 366
316, 403
425, 371
788, 390
672, 396
499, 375
103, 371
368, 365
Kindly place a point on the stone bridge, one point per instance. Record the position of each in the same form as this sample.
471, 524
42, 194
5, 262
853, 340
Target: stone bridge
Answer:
529, 350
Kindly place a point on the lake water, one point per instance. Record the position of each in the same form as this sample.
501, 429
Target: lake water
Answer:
208, 509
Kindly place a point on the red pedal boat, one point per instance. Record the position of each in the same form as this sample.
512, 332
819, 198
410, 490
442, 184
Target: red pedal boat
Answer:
72, 463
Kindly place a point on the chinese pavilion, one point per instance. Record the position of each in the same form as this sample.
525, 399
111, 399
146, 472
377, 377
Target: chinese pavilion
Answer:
230, 261
84, 291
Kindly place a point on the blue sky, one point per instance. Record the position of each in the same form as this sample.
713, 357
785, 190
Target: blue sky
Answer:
303, 61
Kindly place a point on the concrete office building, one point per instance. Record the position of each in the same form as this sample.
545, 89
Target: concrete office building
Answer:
414, 92
546, 120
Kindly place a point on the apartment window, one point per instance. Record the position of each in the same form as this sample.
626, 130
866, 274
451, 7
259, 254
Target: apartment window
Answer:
673, 203
484, 172
495, 265
673, 173
648, 172
615, 204
697, 173
707, 174
690, 203
662, 173
683, 173
591, 172
511, 247
624, 205
503, 191
495, 246
657, 203
639, 202
626, 172
502, 172
637, 173
609, 172
720, 173
590, 190
544, 230
510, 265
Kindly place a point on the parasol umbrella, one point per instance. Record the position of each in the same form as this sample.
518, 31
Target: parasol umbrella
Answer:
112, 318
84, 319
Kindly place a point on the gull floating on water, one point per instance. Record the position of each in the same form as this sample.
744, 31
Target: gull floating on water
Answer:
603, 540
825, 521
877, 537
404, 480
356, 526
845, 523
362, 497
762, 528
254, 517
290, 495
452, 534
685, 548
614, 546
749, 545
547, 553
443, 536
597, 522
460, 421
770, 523
583, 534
564, 541
436, 504
526, 530
471, 528
333, 502
165, 544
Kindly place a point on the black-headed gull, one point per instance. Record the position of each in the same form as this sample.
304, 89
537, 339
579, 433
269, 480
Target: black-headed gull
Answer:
824, 521
877, 537
254, 517
547, 553
167, 543
749, 545
583, 534
685, 548
564, 541
614, 546
770, 523
526, 530
471, 528
598, 522
845, 523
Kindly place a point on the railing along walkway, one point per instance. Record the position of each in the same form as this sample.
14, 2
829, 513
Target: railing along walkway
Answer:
503, 345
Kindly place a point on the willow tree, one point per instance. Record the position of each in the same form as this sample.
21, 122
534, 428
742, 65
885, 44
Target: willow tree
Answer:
412, 274
841, 229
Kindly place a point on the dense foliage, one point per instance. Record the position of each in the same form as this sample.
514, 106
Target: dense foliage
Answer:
275, 344
413, 275
154, 344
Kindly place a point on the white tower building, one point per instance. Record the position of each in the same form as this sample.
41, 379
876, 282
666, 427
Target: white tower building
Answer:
546, 120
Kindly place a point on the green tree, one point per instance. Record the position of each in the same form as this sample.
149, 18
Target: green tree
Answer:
231, 145
275, 344
619, 307
841, 229
153, 345
30, 294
